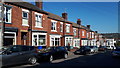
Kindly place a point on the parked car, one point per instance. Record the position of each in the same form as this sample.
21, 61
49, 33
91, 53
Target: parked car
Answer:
108, 47
102, 48
93, 49
83, 50
69, 47
52, 53
18, 54
116, 52
111, 47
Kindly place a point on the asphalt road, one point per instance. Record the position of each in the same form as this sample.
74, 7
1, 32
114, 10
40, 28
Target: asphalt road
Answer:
98, 60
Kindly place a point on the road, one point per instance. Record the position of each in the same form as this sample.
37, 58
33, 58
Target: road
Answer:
98, 60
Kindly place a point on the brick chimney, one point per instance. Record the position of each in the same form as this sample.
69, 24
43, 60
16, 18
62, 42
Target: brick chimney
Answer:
79, 22
39, 3
64, 15
88, 26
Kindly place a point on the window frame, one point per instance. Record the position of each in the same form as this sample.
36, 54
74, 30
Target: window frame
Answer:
83, 33
39, 20
67, 28
54, 25
5, 13
75, 31
25, 18
61, 26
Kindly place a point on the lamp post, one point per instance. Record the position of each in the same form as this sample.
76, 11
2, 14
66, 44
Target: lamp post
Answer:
1, 24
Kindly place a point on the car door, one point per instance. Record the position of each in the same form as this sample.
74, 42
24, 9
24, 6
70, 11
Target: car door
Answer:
55, 52
25, 54
12, 56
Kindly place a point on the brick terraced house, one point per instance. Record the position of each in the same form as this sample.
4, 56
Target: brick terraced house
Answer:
28, 24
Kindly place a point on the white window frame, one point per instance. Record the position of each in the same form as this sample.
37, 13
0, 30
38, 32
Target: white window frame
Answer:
61, 27
75, 31
76, 41
67, 28
10, 12
83, 33
92, 34
87, 35
39, 20
55, 25
70, 39
23, 18
55, 36
45, 34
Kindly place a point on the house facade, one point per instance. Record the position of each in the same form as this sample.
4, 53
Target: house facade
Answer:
28, 24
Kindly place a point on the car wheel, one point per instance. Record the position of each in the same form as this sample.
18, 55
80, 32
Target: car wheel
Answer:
33, 60
65, 56
51, 58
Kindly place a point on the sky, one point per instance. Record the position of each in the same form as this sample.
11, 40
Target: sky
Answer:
102, 16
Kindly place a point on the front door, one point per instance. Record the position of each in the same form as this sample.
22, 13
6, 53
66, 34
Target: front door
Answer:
24, 38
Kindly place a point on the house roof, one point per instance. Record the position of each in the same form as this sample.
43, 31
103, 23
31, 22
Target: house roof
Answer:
28, 6
56, 17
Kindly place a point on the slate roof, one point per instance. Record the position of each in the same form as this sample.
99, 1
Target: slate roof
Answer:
27, 6
56, 17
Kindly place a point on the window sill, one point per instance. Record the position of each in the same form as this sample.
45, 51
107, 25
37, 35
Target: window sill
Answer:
38, 27
53, 30
24, 25
8, 23
67, 32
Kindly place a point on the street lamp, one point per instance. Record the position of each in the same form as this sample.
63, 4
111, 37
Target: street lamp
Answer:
1, 24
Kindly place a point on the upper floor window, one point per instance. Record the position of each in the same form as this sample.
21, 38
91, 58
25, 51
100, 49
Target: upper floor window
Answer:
74, 31
68, 28
25, 17
83, 33
87, 35
92, 35
7, 13
38, 19
54, 25
61, 27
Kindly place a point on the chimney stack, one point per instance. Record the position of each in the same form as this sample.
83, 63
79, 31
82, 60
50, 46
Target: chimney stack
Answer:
96, 31
39, 3
64, 15
79, 22
88, 26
